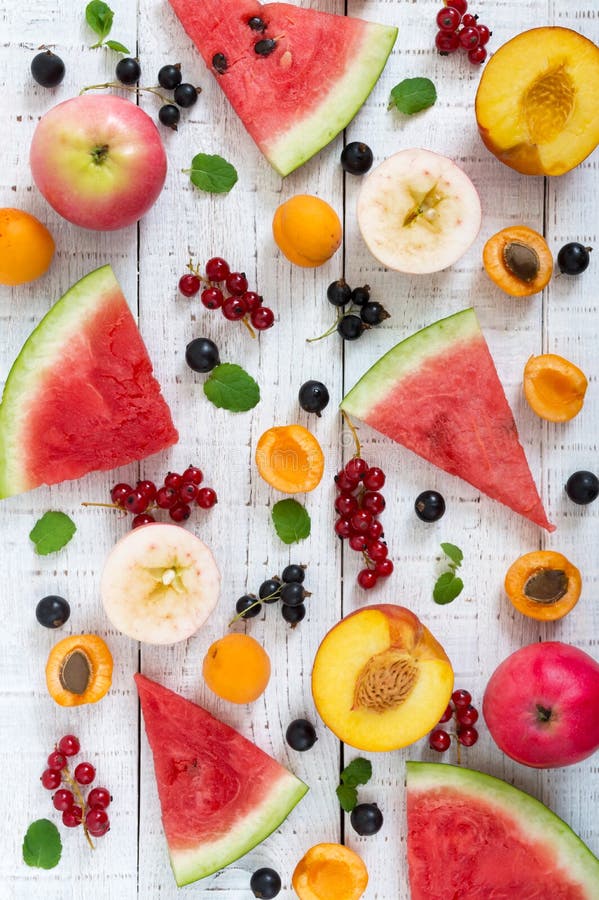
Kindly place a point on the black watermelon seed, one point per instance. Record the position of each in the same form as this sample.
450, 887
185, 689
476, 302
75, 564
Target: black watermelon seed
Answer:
265, 46
257, 24
219, 61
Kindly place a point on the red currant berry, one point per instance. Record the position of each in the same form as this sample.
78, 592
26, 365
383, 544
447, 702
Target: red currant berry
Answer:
136, 502
189, 285
374, 479
180, 512
85, 773
188, 492
119, 492
461, 698
439, 740
469, 37
467, 715
377, 550
358, 542
343, 528
217, 269
97, 822
447, 715
57, 761
193, 474
262, 318
447, 42
173, 480
142, 519
345, 482
50, 779
448, 19
356, 467
373, 502
98, 798
384, 568
72, 817
375, 531
483, 35
477, 56
367, 579
346, 504
361, 521
237, 283
63, 799
148, 488
467, 735
460, 5
166, 497
468, 20
233, 309
212, 298
206, 498
69, 745
251, 300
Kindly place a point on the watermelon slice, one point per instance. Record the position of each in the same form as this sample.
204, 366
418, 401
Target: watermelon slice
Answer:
220, 795
81, 395
438, 393
474, 836
295, 98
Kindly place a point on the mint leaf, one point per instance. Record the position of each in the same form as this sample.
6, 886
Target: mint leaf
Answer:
212, 173
413, 95
52, 532
347, 796
447, 588
453, 552
118, 48
359, 771
230, 387
99, 16
291, 521
42, 846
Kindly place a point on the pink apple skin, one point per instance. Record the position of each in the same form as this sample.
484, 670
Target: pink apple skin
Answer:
98, 160
541, 705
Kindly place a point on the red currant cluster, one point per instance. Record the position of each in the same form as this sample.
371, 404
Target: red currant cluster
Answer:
227, 291
457, 28
76, 809
175, 494
460, 708
359, 503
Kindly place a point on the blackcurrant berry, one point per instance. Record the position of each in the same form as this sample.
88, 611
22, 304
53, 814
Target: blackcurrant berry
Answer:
350, 327
373, 313
293, 594
429, 506
338, 292
270, 590
169, 77
293, 574
169, 115
265, 883
248, 607
366, 818
573, 258
128, 71
52, 612
47, 69
356, 158
360, 295
582, 487
185, 95
202, 355
313, 397
293, 614
301, 735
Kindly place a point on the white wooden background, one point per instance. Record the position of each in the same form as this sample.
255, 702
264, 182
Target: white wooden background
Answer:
478, 630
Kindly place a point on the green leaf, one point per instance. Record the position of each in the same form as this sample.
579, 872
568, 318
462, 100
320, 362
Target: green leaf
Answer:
230, 387
413, 95
447, 588
99, 16
52, 532
42, 846
212, 173
453, 552
119, 48
291, 521
347, 796
359, 771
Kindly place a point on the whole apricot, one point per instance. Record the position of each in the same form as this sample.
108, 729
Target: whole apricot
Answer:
307, 230
26, 247
237, 668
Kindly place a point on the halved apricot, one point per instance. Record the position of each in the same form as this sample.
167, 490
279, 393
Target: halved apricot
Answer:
518, 260
554, 387
543, 585
79, 670
330, 872
307, 230
290, 459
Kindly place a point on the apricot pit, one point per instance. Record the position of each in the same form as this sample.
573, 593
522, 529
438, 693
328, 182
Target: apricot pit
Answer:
79, 670
543, 585
518, 260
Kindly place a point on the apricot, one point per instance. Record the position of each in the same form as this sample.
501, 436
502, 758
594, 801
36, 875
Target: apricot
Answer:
554, 387
543, 585
380, 680
79, 670
330, 872
536, 104
237, 668
290, 459
518, 260
306, 230
26, 247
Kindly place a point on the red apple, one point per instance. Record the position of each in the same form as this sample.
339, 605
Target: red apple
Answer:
98, 160
541, 705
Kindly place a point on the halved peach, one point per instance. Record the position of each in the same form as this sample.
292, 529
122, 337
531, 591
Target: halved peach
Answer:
536, 104
380, 679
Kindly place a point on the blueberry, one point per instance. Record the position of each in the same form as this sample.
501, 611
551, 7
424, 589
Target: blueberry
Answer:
52, 612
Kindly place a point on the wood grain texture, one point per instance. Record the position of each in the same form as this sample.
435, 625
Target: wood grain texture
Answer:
478, 630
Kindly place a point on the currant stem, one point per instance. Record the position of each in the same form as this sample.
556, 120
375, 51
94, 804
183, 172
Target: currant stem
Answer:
242, 614
105, 505
124, 87
75, 788
328, 332
248, 326
352, 428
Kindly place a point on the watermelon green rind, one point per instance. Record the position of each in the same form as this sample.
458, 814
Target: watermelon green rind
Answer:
190, 865
532, 820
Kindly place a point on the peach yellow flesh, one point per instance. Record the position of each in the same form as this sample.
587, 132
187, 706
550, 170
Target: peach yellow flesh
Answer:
380, 679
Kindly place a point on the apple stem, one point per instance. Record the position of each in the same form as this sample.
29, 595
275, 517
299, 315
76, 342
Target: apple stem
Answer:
354, 432
124, 87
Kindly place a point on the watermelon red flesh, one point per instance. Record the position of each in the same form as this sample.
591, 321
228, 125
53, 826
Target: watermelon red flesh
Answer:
296, 99
438, 393
475, 837
220, 794
81, 395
